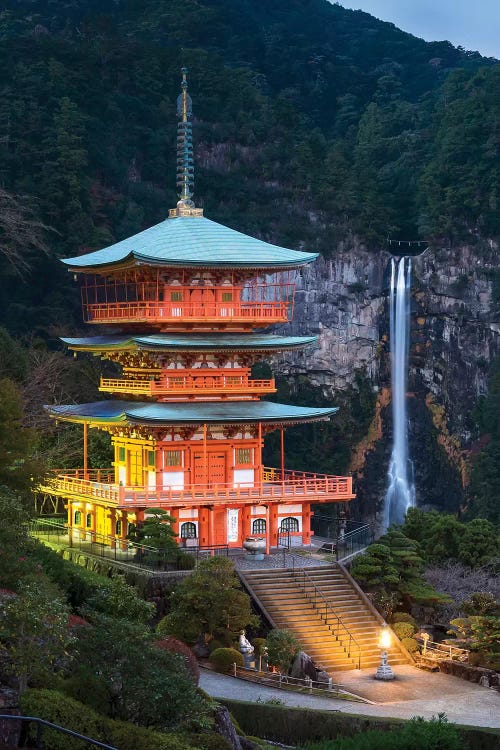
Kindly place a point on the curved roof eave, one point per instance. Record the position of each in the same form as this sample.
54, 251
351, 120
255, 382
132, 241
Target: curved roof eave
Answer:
193, 342
195, 242
123, 412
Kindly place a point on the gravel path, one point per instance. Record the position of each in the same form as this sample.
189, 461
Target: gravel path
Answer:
462, 702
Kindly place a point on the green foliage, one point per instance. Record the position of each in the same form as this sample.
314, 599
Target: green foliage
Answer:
155, 531
282, 647
479, 543
404, 629
60, 709
416, 734
481, 603
442, 537
119, 671
15, 544
484, 488
392, 569
209, 601
224, 658
259, 644
34, 634
178, 647
410, 644
403, 617
18, 465
117, 599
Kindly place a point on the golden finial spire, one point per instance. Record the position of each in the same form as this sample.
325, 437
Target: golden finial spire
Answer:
185, 165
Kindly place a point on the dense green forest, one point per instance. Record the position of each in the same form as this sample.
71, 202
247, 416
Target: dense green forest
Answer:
312, 123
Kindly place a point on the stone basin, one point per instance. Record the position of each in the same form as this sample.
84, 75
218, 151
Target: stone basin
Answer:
255, 545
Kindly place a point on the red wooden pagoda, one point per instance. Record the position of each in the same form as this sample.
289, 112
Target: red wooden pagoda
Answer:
187, 301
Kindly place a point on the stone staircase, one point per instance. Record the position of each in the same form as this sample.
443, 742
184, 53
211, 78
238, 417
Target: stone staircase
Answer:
328, 613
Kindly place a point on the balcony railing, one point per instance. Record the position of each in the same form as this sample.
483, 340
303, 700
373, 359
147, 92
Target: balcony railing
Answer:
178, 314
292, 486
184, 387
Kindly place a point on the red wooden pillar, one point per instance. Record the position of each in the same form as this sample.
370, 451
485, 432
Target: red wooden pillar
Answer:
174, 512
306, 523
273, 527
246, 521
211, 526
203, 527
268, 530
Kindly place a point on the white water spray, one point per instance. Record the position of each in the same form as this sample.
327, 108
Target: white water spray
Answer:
401, 492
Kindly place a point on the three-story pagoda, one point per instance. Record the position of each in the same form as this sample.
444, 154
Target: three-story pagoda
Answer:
187, 301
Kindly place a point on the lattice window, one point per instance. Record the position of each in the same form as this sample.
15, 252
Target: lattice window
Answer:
175, 296
259, 526
172, 459
78, 517
243, 455
118, 527
88, 520
151, 459
188, 530
121, 455
289, 524
227, 296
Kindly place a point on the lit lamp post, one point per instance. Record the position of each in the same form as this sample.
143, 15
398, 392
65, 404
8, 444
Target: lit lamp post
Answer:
384, 671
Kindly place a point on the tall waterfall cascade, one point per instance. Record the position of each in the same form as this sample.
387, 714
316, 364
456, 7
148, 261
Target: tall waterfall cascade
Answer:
401, 491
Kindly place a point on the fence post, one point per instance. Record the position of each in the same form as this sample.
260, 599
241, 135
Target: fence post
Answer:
234, 668
330, 684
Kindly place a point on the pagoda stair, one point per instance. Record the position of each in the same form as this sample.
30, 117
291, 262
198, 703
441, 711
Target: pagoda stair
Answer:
331, 617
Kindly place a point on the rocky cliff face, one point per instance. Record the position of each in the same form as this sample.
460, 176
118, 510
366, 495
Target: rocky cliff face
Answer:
455, 328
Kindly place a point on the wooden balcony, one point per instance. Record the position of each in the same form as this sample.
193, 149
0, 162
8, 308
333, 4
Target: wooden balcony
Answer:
181, 315
192, 385
292, 487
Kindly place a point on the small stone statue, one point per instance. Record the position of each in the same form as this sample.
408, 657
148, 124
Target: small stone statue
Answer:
246, 649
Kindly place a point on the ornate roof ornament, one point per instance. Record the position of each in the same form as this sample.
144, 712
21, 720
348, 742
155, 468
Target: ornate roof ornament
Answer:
185, 163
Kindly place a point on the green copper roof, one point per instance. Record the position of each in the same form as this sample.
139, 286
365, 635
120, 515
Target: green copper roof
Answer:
193, 242
134, 412
196, 342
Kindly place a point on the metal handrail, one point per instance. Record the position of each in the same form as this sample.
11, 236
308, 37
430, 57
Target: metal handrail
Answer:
42, 723
328, 610
115, 548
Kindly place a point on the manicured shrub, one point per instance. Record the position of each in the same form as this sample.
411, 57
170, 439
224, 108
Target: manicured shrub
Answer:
410, 644
404, 617
403, 629
258, 643
215, 644
59, 709
224, 658
178, 647
127, 736
417, 734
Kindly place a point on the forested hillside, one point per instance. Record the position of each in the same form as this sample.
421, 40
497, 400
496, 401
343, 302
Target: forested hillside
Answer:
315, 127
312, 123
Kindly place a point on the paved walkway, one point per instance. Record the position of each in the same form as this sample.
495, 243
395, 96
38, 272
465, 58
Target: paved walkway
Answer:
414, 693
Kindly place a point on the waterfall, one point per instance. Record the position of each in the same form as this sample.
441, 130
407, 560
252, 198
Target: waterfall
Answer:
401, 492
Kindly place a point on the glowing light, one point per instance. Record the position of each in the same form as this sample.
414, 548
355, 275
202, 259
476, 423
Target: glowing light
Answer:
385, 639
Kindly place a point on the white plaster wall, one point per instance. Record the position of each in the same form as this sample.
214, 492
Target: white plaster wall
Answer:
244, 476
173, 479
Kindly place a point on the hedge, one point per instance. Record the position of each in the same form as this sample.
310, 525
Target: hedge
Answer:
58, 708
292, 726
